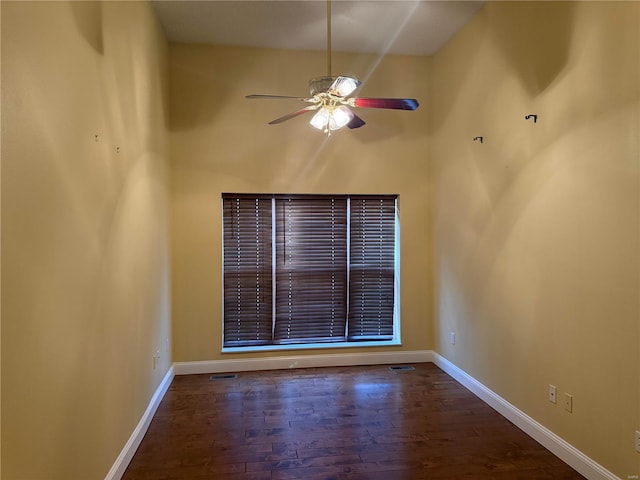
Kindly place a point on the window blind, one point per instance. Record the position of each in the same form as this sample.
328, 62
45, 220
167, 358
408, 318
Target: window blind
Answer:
308, 268
248, 306
372, 267
311, 269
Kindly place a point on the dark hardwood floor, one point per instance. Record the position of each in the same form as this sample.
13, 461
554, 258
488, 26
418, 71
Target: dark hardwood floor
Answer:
347, 423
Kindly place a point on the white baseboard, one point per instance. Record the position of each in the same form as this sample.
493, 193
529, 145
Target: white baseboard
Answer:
129, 450
552, 442
302, 361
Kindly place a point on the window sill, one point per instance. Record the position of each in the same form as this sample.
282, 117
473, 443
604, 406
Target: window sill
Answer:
312, 346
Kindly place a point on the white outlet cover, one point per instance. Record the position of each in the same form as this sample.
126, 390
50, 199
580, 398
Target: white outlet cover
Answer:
638, 441
568, 402
552, 394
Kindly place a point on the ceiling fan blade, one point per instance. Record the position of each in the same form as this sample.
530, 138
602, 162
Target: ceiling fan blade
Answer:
355, 122
279, 97
291, 115
394, 103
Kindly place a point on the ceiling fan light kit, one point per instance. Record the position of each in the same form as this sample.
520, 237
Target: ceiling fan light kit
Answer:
332, 118
330, 96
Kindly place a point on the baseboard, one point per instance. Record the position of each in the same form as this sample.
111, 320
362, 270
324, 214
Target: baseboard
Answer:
302, 361
552, 442
129, 450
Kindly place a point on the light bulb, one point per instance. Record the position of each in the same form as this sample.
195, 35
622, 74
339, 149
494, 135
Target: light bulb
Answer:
321, 119
339, 117
344, 86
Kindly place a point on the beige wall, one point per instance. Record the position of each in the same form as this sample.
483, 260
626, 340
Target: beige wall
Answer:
536, 231
220, 142
85, 282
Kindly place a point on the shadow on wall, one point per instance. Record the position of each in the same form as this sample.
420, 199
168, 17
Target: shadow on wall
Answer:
535, 39
88, 19
210, 79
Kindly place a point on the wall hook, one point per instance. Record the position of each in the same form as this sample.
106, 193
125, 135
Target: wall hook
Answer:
478, 138
117, 149
96, 137
535, 117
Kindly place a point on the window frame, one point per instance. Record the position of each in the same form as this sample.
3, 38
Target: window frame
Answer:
396, 339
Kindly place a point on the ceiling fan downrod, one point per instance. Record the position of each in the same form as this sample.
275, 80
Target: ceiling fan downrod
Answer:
328, 38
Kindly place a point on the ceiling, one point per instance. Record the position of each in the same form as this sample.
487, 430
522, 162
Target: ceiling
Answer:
409, 27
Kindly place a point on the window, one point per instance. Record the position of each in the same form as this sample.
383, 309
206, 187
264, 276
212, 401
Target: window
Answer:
308, 269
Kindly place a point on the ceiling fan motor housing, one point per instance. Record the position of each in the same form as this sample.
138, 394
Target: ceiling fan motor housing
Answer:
320, 84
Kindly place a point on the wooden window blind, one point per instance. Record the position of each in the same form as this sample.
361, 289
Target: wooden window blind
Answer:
311, 269
248, 306
308, 268
372, 267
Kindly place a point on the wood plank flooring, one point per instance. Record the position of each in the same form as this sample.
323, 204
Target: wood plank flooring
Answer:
347, 423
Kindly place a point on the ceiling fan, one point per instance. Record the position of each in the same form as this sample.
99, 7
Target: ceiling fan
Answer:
331, 98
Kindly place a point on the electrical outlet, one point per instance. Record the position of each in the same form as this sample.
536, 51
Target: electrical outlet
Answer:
552, 393
638, 441
568, 402
452, 338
